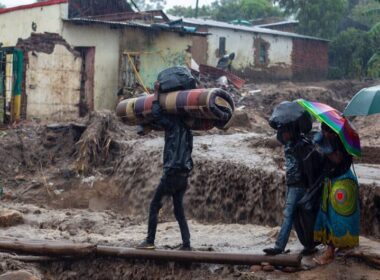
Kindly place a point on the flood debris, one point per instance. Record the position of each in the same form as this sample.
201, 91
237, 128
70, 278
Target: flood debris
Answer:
10, 218
237, 177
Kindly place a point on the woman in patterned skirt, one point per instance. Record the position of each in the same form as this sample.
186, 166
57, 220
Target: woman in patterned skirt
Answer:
338, 221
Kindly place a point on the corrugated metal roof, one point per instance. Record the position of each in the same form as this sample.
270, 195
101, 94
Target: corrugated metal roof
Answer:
127, 24
252, 29
277, 23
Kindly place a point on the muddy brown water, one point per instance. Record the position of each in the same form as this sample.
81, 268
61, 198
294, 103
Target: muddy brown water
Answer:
233, 182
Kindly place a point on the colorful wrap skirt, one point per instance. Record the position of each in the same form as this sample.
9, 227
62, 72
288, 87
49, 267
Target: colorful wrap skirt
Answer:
338, 220
202, 108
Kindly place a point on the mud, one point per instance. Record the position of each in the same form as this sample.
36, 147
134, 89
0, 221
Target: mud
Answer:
92, 181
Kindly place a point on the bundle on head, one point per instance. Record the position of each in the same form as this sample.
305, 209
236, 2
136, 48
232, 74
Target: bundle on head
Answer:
202, 108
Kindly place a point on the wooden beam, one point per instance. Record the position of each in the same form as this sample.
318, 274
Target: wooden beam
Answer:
64, 249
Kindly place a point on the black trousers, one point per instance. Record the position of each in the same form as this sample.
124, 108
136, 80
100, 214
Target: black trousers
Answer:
172, 184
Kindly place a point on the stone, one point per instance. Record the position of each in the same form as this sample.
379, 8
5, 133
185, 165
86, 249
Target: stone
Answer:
10, 218
256, 268
290, 269
18, 275
268, 268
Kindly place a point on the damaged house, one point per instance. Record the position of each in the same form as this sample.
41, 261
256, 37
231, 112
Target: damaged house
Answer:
61, 59
262, 52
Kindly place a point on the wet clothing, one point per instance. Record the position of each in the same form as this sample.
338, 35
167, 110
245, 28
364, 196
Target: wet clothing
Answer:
178, 140
338, 220
177, 165
173, 185
295, 153
293, 195
300, 175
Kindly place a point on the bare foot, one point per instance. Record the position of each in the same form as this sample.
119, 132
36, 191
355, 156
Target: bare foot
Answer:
326, 258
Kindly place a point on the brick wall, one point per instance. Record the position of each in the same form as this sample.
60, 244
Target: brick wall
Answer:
309, 59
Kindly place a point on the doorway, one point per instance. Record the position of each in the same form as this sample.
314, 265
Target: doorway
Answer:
86, 101
11, 84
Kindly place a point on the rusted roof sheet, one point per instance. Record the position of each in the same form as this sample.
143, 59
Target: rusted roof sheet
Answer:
153, 15
126, 24
216, 73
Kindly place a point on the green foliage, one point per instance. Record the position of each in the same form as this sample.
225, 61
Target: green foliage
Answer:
374, 66
350, 51
374, 34
145, 5
189, 12
2, 6
335, 73
228, 10
316, 17
368, 14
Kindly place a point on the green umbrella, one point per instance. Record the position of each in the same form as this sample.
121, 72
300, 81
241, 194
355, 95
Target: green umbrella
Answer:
365, 102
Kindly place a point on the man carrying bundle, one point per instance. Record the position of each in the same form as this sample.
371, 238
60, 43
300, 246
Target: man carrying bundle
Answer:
177, 166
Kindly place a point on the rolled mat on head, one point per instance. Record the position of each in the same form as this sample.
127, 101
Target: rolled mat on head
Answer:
201, 108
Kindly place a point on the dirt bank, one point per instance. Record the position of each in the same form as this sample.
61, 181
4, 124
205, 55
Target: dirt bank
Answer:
92, 181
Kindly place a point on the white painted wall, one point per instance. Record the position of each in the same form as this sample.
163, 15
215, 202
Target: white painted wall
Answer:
18, 24
107, 54
242, 44
280, 50
53, 96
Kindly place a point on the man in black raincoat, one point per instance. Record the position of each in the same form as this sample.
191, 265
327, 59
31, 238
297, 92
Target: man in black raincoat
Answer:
177, 166
302, 166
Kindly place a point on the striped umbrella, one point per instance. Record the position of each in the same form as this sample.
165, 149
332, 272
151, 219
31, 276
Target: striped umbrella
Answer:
339, 124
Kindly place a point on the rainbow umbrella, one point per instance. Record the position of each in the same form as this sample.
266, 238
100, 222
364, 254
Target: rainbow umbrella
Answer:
339, 124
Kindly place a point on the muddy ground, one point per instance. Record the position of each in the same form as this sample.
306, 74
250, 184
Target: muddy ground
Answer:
91, 181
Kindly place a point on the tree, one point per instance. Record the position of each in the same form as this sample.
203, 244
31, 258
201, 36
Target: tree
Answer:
368, 13
189, 12
145, 5
2, 6
228, 10
316, 17
350, 52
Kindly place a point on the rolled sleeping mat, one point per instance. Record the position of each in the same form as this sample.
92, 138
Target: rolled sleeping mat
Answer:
196, 105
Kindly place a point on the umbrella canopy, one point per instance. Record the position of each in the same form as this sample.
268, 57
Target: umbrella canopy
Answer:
290, 112
365, 102
339, 124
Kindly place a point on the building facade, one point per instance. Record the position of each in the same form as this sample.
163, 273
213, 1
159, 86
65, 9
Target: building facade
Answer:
261, 54
74, 62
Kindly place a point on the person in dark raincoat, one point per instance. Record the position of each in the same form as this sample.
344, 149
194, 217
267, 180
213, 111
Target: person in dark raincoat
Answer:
177, 166
299, 176
225, 62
